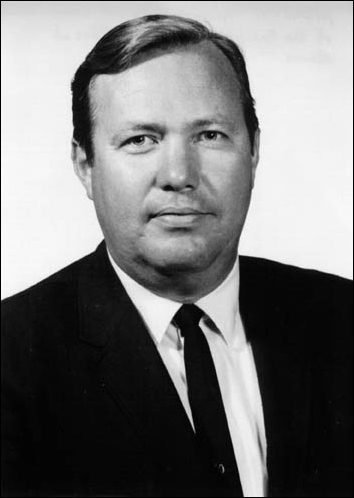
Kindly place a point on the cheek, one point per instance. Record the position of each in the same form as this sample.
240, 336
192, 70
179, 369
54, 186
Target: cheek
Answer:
118, 197
234, 187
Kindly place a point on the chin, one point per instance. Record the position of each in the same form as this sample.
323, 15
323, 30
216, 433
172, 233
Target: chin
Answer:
179, 261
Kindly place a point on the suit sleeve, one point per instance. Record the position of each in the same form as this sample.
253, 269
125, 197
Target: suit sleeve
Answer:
15, 400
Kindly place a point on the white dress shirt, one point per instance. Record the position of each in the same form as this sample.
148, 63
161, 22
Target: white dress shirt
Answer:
233, 360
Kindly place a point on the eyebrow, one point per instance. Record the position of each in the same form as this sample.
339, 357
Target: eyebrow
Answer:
211, 121
136, 126
133, 125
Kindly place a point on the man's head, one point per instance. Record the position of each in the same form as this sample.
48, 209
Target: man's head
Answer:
166, 145
125, 44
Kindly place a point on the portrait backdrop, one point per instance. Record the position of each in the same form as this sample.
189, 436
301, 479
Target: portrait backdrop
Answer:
299, 60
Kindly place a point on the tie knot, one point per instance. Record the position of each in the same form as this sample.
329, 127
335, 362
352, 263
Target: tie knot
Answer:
188, 316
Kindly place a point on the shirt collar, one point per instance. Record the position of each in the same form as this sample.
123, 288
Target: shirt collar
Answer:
221, 305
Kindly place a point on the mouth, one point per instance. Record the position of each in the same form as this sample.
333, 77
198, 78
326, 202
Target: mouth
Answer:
178, 217
178, 211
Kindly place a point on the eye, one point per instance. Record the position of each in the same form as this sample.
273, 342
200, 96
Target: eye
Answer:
140, 140
211, 136
139, 144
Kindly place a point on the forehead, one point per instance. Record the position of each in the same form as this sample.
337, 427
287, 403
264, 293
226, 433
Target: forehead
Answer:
176, 85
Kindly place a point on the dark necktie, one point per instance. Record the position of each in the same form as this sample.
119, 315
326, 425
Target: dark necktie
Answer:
208, 411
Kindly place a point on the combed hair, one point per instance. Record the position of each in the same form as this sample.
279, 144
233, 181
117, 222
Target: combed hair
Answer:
125, 44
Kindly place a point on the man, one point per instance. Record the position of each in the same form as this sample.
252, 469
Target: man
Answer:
164, 364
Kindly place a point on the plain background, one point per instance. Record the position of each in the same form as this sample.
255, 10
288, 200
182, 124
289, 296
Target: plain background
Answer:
299, 59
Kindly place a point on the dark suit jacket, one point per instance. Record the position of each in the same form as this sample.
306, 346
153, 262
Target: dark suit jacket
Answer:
90, 410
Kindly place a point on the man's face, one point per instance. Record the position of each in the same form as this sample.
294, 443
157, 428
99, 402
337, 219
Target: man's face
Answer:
173, 169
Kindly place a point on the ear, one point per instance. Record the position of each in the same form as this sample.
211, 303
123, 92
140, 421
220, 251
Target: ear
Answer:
255, 154
82, 167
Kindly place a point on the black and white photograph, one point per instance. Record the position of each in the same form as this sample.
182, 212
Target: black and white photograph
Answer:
177, 248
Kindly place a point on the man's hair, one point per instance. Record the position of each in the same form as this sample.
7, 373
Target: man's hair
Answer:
125, 44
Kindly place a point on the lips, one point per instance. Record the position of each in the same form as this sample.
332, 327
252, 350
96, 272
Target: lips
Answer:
178, 211
179, 218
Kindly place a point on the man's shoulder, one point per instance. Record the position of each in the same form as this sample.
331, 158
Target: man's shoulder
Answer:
279, 276
316, 306
297, 294
55, 288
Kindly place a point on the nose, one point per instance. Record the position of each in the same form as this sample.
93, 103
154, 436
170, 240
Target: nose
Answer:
179, 169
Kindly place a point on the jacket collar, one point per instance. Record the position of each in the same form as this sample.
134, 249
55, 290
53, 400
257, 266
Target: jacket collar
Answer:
101, 299
128, 364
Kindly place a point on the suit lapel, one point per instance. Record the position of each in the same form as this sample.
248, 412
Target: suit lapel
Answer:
283, 375
128, 362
